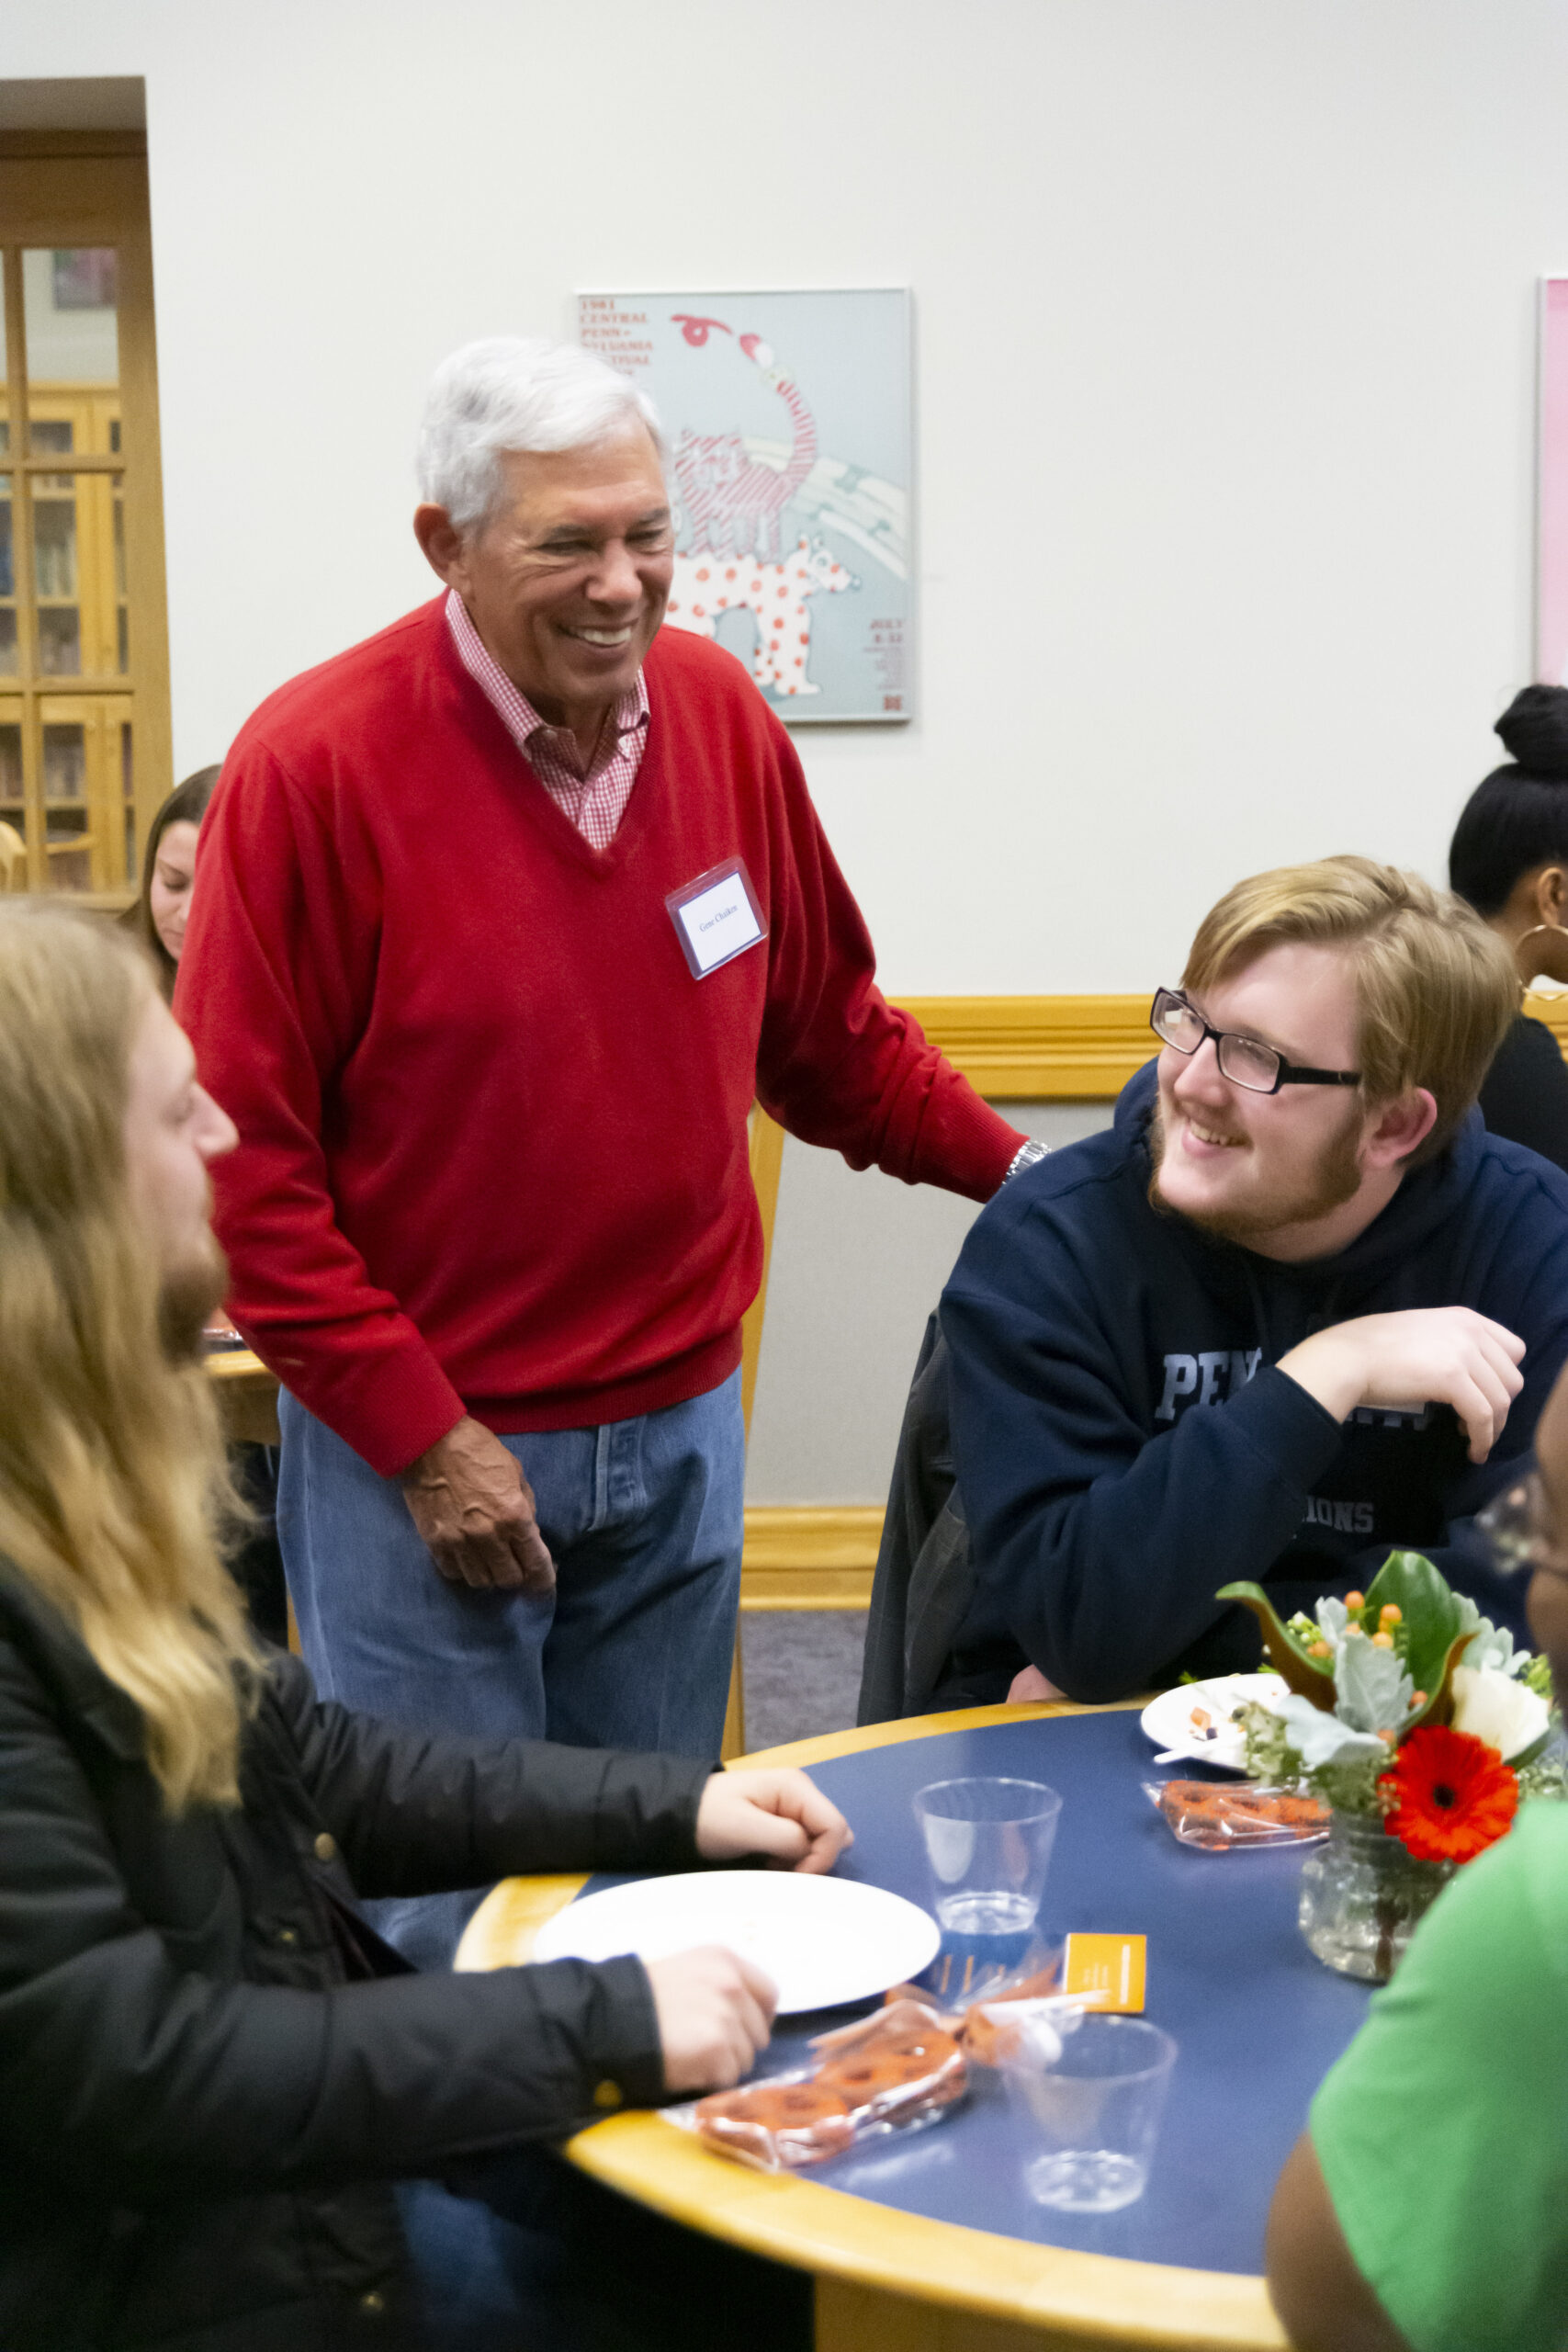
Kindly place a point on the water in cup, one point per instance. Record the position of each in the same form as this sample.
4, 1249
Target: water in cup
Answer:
987, 1846
987, 1915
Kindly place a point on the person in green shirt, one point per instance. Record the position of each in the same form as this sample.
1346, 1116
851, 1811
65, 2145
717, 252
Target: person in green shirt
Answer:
1425, 2208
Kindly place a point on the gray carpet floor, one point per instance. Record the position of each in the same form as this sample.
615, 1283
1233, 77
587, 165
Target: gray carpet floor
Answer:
802, 1668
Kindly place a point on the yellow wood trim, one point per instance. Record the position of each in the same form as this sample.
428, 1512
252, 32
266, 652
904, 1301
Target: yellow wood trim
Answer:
851, 2318
247, 1397
1023, 1048
766, 1156
1553, 1012
810, 1555
732, 1740
1084, 2297
27, 146
152, 756
826, 1746
70, 199
500, 1933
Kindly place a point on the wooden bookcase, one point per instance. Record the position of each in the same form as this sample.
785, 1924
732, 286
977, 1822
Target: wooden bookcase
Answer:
85, 749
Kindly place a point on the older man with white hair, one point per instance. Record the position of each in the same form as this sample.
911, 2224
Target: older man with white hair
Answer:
505, 917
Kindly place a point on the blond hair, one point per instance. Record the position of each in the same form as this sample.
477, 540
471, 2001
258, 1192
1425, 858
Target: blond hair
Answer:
1435, 989
112, 1480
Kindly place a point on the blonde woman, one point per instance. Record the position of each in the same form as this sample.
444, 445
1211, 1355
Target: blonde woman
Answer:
213, 2072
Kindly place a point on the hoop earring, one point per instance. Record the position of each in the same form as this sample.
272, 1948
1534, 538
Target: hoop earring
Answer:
1554, 931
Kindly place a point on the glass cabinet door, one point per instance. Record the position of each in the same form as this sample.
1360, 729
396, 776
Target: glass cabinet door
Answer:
67, 631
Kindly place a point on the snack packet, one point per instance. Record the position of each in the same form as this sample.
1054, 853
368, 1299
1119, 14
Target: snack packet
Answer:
1023, 2009
897, 2070
1221, 1816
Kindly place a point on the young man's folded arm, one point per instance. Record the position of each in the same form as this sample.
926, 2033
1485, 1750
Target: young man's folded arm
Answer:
1101, 1548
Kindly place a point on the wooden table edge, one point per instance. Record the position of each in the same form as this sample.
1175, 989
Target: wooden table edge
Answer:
831, 2232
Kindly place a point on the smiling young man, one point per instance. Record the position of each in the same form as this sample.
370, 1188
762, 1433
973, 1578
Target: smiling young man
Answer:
1295, 1307
490, 1218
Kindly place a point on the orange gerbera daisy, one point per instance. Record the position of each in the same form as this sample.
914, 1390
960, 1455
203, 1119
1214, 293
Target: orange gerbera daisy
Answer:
1449, 1796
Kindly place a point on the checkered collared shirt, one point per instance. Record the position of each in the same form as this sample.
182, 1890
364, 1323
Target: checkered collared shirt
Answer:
595, 803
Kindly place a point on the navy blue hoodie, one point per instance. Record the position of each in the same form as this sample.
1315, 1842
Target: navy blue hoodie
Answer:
1125, 1443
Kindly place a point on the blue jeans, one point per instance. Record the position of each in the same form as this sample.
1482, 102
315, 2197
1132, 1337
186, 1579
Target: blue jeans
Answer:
633, 1649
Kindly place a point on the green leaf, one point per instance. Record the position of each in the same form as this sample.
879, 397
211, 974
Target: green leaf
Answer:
1373, 1689
1430, 1617
1286, 1654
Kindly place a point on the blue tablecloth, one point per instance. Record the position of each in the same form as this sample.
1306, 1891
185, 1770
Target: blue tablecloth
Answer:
1258, 2020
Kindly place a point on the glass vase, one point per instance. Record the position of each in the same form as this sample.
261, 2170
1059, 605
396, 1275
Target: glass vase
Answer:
1361, 1896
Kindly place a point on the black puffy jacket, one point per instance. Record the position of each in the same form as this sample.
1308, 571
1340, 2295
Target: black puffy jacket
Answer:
203, 2106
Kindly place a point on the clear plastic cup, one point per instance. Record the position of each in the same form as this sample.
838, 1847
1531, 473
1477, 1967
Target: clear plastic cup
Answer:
1096, 2105
989, 1846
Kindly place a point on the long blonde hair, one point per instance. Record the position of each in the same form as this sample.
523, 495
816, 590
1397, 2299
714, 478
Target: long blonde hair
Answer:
1436, 990
113, 1488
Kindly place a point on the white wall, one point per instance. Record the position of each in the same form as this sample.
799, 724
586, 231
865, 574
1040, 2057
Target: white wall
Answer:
1226, 382
1225, 394
859, 1262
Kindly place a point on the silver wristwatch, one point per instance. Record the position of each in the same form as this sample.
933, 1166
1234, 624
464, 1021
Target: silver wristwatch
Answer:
1025, 1157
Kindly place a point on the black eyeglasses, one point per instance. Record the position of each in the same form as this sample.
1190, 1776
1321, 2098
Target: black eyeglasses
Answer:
1244, 1060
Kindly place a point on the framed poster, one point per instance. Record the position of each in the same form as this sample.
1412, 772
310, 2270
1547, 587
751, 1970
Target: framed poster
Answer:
1552, 489
788, 421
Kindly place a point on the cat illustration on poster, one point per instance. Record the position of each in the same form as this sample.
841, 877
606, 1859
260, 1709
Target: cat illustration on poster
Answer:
707, 584
734, 503
733, 507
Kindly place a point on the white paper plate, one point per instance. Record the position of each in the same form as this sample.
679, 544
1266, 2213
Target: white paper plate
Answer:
822, 1940
1168, 1720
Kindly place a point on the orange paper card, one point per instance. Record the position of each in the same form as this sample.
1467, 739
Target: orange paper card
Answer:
1110, 1966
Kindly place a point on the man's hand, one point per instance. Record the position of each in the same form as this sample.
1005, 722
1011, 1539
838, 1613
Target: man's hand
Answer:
1029, 1686
475, 1509
782, 1815
715, 2013
1428, 1355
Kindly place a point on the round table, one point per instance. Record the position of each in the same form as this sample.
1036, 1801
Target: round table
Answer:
930, 2243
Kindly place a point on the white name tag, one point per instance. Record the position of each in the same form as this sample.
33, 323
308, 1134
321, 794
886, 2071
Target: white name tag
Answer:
716, 917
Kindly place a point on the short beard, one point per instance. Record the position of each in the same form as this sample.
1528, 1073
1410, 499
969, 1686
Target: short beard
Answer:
1334, 1179
188, 1296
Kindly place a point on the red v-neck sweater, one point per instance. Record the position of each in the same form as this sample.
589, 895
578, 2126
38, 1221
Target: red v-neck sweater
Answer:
494, 1147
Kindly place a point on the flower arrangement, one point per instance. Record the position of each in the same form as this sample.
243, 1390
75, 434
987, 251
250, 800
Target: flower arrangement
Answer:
1405, 1702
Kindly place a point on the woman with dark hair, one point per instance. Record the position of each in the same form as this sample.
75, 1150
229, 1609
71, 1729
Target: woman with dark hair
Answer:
159, 914
158, 919
1509, 858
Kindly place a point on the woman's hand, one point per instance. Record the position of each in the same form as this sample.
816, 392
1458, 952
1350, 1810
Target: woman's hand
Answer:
715, 2012
781, 1814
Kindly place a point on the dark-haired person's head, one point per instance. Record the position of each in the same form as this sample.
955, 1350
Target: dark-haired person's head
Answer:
1509, 853
168, 870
